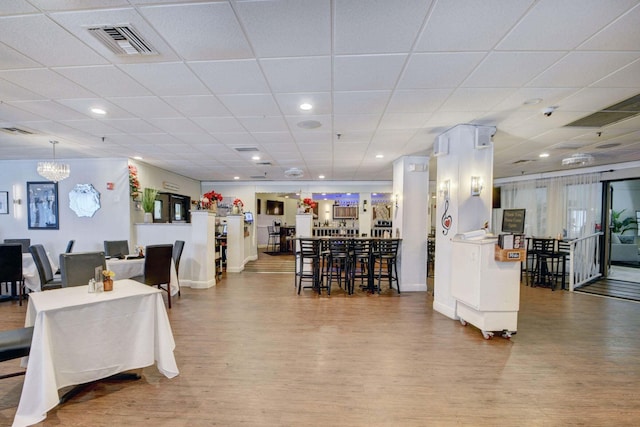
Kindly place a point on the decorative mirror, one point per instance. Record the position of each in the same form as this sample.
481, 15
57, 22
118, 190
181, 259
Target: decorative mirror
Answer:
84, 200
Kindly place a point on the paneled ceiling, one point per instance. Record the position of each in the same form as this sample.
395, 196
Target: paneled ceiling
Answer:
384, 78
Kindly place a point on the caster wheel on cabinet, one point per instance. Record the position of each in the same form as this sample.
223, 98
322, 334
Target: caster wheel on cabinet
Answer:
463, 322
487, 335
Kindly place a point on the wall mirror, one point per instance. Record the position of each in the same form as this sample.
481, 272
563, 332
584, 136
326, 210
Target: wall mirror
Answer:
84, 200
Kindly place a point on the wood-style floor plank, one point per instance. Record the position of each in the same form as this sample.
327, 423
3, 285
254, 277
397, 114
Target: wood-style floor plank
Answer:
253, 353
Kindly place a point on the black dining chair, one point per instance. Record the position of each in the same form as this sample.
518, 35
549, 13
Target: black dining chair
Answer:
80, 267
157, 268
340, 264
116, 248
43, 266
14, 344
11, 268
24, 244
274, 238
178, 247
308, 264
69, 248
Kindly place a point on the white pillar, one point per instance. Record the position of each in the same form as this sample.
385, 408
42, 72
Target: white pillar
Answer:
235, 243
410, 197
365, 214
203, 252
463, 152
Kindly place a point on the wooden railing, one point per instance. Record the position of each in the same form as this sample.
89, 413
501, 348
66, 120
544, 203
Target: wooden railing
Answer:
584, 260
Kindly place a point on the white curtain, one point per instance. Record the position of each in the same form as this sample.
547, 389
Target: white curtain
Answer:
568, 205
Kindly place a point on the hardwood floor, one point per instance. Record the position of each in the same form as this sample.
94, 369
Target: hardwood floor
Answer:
253, 353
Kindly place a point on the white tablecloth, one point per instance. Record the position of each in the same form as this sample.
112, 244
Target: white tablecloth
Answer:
128, 268
80, 337
30, 272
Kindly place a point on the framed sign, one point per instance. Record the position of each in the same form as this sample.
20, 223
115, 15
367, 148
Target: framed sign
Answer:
4, 202
42, 205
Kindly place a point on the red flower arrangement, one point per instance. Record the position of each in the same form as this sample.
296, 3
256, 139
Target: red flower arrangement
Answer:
309, 203
134, 184
207, 200
238, 203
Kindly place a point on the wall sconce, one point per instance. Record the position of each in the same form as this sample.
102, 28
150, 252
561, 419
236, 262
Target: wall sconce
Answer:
445, 188
476, 185
364, 206
17, 201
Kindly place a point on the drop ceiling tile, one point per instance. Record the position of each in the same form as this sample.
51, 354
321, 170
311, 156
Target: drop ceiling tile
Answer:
367, 72
250, 105
156, 138
593, 65
219, 124
176, 125
166, 79
277, 138
195, 139
146, 107
594, 99
42, 40
628, 77
231, 77
417, 100
355, 122
132, 126
469, 26
308, 74
403, 120
364, 26
263, 124
84, 106
91, 126
104, 80
621, 34
46, 83
475, 99
49, 109
290, 103
369, 102
235, 138
16, 7
287, 27
559, 24
198, 105
12, 59
511, 69
13, 92
200, 31
438, 70
309, 138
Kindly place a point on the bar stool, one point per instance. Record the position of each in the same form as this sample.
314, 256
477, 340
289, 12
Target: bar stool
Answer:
362, 254
308, 264
340, 264
274, 238
385, 253
547, 262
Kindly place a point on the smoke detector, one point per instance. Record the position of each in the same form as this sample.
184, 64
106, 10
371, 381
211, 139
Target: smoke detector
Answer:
293, 173
578, 159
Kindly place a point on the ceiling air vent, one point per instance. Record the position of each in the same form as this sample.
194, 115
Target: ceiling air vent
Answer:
246, 149
520, 162
258, 177
263, 163
578, 159
614, 113
293, 173
123, 40
16, 131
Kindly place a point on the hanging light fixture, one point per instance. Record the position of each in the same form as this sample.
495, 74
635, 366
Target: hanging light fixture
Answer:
53, 171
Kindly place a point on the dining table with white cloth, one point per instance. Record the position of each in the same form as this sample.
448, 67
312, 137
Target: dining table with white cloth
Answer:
79, 337
128, 268
30, 271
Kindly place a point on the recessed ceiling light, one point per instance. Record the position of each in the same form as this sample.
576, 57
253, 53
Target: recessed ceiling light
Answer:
236, 177
532, 101
379, 156
98, 111
324, 194
306, 106
321, 176
255, 158
137, 158
543, 155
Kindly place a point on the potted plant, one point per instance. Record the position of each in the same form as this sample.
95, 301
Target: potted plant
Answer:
148, 203
619, 226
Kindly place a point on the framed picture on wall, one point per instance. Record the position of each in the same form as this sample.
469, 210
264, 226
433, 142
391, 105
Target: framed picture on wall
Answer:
42, 205
4, 202
638, 222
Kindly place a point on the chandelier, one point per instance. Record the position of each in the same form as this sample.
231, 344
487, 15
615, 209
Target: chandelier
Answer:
53, 171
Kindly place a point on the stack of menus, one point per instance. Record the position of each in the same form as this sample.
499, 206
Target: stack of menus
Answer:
511, 241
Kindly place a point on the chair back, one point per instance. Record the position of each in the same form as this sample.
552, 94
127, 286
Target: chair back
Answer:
361, 248
157, 264
69, 247
543, 245
116, 248
10, 262
178, 247
309, 247
41, 260
272, 230
387, 247
339, 247
25, 243
78, 268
